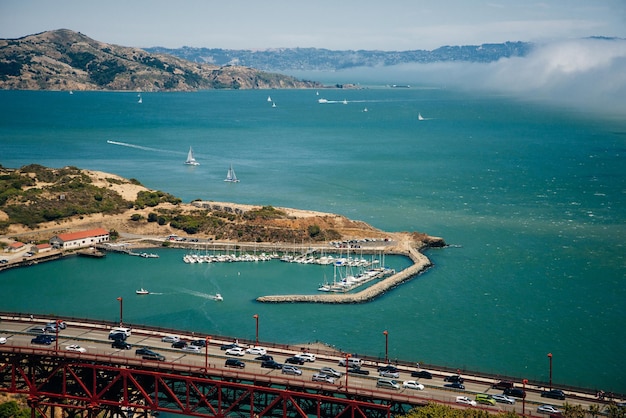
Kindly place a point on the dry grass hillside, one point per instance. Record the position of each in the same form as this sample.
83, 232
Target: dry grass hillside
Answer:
215, 220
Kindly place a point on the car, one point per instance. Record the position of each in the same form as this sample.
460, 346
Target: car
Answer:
412, 384
388, 368
264, 357
3, 340
306, 357
170, 339
515, 393
329, 371
465, 400
36, 330
387, 373
289, 369
76, 348
153, 356
41, 339
199, 343
387, 384
455, 385
123, 345
554, 394
126, 331
485, 399
503, 399
179, 344
51, 328
4, 261
321, 377
259, 351
358, 370
422, 373
228, 346
455, 378
233, 362
143, 351
192, 348
548, 409
294, 360
271, 364
235, 351
503, 384
118, 336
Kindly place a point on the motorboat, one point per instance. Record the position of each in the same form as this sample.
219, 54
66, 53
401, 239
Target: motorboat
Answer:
142, 291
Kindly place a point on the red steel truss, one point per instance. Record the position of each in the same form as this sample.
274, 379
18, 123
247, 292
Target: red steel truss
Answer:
73, 387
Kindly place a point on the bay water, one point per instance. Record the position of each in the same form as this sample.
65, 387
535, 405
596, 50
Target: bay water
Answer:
531, 199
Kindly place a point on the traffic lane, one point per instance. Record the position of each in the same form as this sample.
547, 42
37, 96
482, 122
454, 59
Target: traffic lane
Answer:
97, 339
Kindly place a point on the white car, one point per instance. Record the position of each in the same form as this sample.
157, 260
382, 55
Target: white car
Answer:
170, 339
306, 357
329, 371
465, 400
76, 348
503, 399
412, 384
3, 340
548, 409
258, 351
320, 377
192, 348
235, 351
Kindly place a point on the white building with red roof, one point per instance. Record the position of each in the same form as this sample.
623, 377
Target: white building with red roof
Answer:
80, 239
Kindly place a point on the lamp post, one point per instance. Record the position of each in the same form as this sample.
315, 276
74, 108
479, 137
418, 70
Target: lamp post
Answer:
524, 398
386, 334
56, 330
550, 360
121, 310
256, 338
206, 353
347, 362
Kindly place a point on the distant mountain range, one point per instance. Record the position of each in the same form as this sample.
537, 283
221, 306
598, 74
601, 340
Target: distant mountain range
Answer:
285, 59
67, 60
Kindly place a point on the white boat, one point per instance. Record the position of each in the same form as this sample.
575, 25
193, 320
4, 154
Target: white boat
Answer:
217, 297
269, 98
322, 100
190, 158
140, 99
142, 291
345, 101
273, 104
231, 176
420, 117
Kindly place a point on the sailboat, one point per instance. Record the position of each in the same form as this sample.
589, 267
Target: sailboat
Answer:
420, 117
269, 98
140, 99
231, 176
190, 158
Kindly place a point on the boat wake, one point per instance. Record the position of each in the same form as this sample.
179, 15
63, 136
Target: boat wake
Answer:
200, 294
125, 144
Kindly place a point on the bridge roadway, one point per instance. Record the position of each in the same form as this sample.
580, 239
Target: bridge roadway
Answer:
94, 338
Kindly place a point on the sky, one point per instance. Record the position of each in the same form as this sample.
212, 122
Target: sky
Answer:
391, 25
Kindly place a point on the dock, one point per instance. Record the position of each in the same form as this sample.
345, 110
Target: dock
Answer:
420, 264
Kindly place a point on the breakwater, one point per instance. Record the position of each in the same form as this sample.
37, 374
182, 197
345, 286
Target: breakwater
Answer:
420, 264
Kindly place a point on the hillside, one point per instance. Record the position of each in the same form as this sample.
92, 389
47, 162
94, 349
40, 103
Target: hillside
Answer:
319, 59
36, 201
67, 60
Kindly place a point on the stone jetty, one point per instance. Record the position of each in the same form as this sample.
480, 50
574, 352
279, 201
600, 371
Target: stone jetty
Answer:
420, 264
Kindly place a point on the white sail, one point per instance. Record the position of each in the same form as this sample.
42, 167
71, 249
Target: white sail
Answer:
190, 158
231, 176
420, 117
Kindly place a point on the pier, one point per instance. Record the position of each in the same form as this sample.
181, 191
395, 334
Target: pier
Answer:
420, 264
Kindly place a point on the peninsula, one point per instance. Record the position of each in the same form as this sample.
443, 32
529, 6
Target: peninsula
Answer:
37, 203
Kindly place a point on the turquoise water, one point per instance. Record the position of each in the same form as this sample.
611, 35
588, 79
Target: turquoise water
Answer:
531, 197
